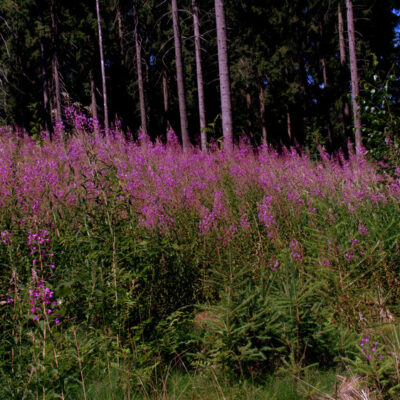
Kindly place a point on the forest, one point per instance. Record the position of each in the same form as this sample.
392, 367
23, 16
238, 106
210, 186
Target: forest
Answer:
200, 199
289, 68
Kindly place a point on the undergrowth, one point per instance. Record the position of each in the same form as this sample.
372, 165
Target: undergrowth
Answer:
134, 269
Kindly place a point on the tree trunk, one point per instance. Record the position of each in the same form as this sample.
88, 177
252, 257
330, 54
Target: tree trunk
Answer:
56, 77
165, 98
324, 73
342, 48
262, 114
140, 77
179, 78
354, 76
93, 105
199, 74
226, 108
342, 51
289, 125
120, 34
103, 72
46, 101
248, 106
325, 77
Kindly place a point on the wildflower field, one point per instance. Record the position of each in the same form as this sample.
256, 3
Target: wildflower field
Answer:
126, 264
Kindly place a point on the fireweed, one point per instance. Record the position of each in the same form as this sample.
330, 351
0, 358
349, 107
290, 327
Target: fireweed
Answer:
369, 349
145, 230
41, 298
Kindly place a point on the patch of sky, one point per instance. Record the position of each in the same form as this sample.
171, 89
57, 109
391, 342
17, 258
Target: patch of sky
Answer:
396, 40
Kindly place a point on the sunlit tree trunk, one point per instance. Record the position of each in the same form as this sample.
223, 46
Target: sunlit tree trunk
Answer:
225, 89
199, 74
179, 78
140, 76
354, 75
103, 72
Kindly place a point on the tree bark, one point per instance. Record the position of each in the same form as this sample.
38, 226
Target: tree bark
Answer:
324, 73
325, 77
56, 77
199, 74
140, 77
226, 107
354, 76
103, 72
248, 106
289, 125
93, 105
165, 98
120, 34
179, 78
45, 85
262, 114
345, 111
342, 48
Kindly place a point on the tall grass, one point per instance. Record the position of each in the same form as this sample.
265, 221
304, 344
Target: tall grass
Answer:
139, 258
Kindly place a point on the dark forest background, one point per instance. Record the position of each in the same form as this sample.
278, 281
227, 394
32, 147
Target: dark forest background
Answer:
285, 65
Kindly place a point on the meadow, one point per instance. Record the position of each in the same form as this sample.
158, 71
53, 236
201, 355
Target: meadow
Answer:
132, 269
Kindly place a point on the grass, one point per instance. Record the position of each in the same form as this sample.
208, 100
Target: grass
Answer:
211, 386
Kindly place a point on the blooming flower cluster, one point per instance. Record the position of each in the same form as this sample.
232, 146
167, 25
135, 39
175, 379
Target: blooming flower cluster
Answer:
42, 300
266, 216
210, 218
38, 244
296, 250
6, 237
274, 265
41, 297
370, 349
363, 230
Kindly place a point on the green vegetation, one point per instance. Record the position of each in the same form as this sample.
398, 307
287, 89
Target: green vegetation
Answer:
141, 270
